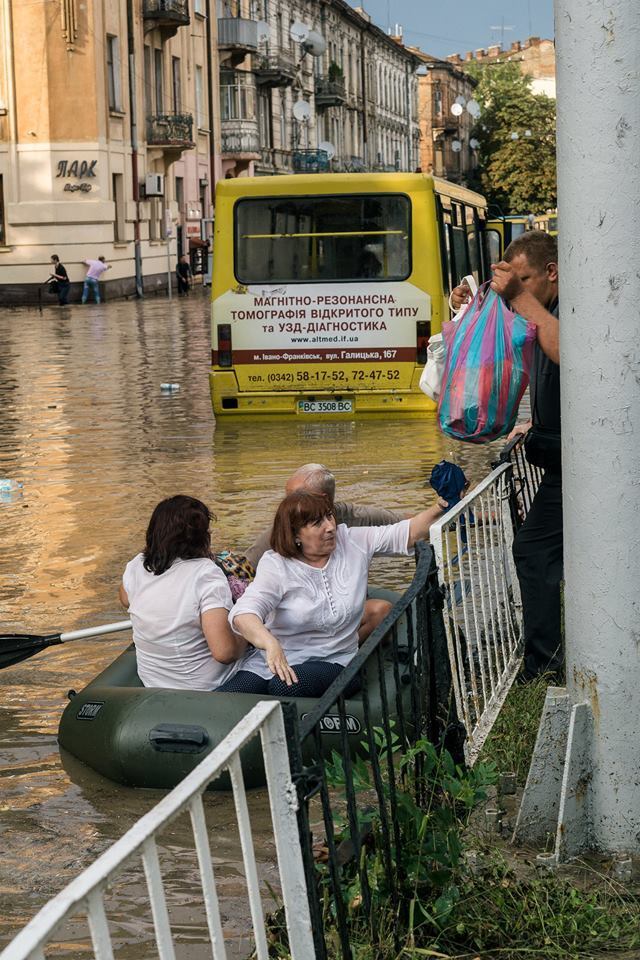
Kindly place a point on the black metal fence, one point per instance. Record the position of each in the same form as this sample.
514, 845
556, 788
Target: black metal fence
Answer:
525, 478
405, 695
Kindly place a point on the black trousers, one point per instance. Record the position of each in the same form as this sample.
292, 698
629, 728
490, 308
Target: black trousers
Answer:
537, 551
63, 293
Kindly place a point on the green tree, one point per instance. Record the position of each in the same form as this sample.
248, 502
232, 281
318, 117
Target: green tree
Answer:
517, 175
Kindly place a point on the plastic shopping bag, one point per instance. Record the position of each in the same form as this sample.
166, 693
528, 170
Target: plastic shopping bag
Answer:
431, 376
489, 352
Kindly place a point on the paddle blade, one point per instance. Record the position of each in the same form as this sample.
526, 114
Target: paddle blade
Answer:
15, 647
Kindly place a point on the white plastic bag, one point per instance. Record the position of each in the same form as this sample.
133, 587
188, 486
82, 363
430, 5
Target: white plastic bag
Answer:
431, 376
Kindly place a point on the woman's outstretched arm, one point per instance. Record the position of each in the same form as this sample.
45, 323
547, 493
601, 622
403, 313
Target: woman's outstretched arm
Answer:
420, 524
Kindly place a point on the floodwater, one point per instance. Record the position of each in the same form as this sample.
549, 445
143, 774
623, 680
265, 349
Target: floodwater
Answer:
95, 443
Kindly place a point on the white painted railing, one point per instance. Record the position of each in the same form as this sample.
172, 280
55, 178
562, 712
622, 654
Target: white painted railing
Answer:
483, 614
86, 894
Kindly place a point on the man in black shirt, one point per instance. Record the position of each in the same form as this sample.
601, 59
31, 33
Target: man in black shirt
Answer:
61, 277
528, 279
183, 271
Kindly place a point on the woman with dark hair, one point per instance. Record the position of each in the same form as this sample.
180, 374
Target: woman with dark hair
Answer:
178, 601
303, 613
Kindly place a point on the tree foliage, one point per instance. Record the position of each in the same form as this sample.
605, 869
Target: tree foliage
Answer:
517, 175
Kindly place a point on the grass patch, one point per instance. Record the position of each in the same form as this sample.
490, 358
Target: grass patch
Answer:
455, 907
546, 918
510, 744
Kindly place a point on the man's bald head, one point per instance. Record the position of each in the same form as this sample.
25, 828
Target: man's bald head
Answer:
313, 477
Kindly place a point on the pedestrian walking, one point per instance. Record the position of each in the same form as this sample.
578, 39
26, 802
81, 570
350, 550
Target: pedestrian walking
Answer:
61, 278
91, 281
184, 275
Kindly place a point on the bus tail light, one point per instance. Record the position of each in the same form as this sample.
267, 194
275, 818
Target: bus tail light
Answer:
224, 345
423, 332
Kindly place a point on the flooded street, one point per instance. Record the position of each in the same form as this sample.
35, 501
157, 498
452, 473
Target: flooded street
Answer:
95, 444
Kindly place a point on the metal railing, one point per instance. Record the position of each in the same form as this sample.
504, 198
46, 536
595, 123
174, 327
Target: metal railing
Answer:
275, 70
87, 894
166, 11
483, 612
240, 137
238, 33
405, 683
526, 478
330, 92
310, 161
170, 129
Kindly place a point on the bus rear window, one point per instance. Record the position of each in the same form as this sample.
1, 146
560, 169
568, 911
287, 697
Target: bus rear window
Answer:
323, 239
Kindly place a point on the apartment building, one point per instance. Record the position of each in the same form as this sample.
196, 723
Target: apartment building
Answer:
107, 135
339, 95
535, 57
117, 118
445, 97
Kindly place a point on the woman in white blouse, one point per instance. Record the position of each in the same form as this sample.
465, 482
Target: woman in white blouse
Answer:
303, 611
178, 601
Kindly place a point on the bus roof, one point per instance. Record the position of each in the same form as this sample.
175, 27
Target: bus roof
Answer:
310, 183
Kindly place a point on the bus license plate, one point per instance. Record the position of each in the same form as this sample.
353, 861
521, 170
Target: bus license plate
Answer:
325, 406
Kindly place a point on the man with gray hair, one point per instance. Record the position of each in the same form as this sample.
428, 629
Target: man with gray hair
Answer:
316, 478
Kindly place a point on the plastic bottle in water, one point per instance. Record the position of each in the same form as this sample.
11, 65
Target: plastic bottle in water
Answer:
169, 387
10, 490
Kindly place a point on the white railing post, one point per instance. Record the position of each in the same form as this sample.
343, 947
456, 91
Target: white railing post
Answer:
482, 614
284, 807
85, 893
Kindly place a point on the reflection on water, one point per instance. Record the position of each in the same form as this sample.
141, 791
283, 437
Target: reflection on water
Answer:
96, 444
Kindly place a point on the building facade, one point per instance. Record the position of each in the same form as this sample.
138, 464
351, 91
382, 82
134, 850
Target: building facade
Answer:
106, 140
446, 147
343, 99
535, 57
118, 117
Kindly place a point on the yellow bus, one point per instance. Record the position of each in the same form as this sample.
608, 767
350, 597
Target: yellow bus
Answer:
502, 231
327, 287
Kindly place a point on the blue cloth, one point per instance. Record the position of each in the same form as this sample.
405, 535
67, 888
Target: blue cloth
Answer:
448, 481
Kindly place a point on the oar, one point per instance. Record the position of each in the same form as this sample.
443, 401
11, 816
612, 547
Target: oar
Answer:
15, 647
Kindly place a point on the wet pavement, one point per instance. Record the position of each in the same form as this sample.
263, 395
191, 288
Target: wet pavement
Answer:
96, 444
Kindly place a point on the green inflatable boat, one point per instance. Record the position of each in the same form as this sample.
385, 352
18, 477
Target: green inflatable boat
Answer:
151, 737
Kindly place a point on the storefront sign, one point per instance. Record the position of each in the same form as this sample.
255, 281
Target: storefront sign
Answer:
77, 170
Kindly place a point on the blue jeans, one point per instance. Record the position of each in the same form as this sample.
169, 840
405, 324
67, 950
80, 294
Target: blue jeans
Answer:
90, 283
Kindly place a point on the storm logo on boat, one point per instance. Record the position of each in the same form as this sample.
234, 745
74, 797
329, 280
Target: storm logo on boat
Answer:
90, 710
331, 723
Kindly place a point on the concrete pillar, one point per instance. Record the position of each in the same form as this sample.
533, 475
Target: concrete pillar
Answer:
585, 774
598, 83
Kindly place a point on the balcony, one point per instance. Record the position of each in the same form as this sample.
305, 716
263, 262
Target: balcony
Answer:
310, 161
168, 15
355, 165
241, 139
237, 37
173, 132
330, 93
275, 70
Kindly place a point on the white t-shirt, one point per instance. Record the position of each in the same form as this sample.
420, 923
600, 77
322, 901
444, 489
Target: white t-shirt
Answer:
171, 649
315, 612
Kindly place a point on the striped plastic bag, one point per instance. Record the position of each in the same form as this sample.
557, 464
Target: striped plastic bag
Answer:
489, 352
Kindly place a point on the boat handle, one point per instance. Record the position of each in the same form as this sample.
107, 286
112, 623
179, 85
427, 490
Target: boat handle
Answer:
178, 738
